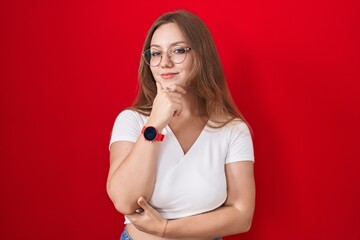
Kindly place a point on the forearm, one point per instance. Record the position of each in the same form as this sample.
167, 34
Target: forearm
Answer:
134, 177
226, 220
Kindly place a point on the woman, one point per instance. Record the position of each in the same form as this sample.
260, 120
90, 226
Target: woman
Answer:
181, 158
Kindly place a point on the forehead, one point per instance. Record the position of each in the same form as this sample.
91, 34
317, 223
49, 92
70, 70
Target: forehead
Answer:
166, 35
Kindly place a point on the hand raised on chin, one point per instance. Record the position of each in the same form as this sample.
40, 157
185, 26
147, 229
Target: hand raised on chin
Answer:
167, 103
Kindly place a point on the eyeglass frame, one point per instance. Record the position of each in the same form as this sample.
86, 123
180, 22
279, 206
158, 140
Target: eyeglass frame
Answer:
187, 49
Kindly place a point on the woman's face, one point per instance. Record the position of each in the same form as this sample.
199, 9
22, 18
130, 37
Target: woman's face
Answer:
169, 36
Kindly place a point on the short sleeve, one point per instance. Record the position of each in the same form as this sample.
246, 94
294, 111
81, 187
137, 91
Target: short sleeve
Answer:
127, 127
240, 144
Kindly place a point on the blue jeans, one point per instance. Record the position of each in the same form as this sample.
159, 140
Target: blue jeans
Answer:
126, 236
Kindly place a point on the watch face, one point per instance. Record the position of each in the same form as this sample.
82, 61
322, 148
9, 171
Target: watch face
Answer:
150, 133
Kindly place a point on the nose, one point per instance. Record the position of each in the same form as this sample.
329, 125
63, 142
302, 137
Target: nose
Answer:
166, 61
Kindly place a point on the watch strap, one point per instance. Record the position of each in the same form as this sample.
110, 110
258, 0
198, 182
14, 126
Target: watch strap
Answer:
158, 137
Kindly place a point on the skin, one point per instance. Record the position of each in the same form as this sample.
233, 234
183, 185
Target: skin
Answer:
163, 38
132, 174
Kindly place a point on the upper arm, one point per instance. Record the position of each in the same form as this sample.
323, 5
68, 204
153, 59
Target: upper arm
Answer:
125, 132
241, 186
118, 152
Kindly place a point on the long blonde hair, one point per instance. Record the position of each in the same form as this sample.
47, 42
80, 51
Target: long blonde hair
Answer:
207, 80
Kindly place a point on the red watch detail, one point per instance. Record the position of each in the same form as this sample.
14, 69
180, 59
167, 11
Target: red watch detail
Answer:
151, 134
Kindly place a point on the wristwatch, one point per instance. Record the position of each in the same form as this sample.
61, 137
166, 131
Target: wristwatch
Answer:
151, 134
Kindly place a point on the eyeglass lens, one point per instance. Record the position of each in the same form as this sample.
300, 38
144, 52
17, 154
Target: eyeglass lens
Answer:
177, 54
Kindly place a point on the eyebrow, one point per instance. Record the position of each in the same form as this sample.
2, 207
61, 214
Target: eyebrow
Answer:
172, 44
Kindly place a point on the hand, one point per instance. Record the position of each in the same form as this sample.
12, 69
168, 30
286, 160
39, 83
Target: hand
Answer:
167, 103
149, 220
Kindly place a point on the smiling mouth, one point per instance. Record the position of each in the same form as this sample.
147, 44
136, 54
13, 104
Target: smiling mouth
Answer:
168, 75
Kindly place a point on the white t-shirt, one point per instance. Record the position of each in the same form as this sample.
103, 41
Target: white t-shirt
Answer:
195, 182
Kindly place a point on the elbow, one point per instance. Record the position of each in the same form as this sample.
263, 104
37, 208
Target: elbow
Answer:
244, 218
123, 208
243, 227
246, 225
121, 204
244, 221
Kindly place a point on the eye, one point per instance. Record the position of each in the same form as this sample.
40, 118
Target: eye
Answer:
179, 50
155, 53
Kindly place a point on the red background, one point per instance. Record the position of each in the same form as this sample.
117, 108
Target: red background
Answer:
69, 67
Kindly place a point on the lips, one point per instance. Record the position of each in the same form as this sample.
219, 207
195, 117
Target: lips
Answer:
168, 75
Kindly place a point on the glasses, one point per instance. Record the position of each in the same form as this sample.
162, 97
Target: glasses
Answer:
176, 54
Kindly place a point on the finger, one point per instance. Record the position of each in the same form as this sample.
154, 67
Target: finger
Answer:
177, 109
176, 104
158, 86
131, 217
134, 219
175, 95
143, 204
177, 101
177, 88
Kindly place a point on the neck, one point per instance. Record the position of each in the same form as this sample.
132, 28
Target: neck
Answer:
190, 105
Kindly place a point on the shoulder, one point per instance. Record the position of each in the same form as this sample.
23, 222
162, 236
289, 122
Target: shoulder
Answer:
129, 118
240, 142
238, 128
235, 125
127, 126
130, 114
238, 124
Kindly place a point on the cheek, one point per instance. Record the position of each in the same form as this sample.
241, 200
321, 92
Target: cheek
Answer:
189, 63
153, 72
188, 66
